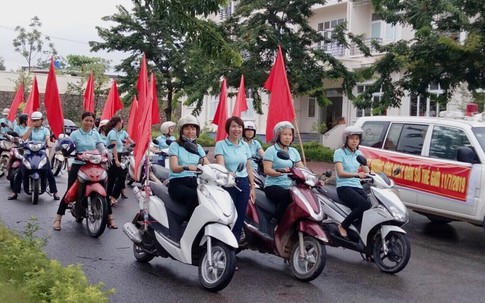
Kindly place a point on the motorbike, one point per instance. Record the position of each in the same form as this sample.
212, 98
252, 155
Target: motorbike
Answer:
378, 236
299, 236
159, 166
6, 145
59, 161
15, 159
34, 169
87, 195
161, 227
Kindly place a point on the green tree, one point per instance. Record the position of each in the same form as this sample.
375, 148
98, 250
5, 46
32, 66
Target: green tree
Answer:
33, 44
82, 66
162, 30
447, 48
258, 27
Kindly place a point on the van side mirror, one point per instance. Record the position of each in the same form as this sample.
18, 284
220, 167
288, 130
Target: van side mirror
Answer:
465, 154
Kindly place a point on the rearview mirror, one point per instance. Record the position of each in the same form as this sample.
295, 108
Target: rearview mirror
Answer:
283, 155
110, 146
240, 167
192, 148
362, 160
155, 141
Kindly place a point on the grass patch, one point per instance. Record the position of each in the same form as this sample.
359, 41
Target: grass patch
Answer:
27, 275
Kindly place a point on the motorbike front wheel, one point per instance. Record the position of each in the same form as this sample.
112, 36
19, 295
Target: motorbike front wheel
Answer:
96, 215
218, 275
35, 191
56, 166
3, 166
397, 257
311, 265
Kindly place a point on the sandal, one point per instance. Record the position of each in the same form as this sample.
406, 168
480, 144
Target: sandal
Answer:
111, 224
56, 197
12, 197
342, 231
56, 225
113, 201
123, 195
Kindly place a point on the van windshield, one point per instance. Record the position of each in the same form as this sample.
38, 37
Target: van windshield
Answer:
480, 134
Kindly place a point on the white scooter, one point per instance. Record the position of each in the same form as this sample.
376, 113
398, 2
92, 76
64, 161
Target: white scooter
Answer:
378, 236
206, 240
158, 172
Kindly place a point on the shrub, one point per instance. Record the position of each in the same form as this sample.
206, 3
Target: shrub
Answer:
25, 269
314, 151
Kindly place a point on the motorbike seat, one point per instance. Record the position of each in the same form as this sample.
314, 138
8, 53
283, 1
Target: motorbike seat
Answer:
160, 172
263, 202
161, 191
331, 192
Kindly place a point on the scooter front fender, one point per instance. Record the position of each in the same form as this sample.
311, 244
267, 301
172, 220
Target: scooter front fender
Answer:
220, 232
35, 176
95, 187
313, 229
59, 157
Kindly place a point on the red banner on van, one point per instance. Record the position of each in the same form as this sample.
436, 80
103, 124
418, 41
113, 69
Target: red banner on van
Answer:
440, 178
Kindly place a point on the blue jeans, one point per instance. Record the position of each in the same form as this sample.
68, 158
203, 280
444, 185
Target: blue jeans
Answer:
240, 199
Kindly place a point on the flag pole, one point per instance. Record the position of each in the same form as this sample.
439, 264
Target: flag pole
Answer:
301, 143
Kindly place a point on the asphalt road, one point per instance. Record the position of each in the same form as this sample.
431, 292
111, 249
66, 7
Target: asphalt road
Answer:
447, 264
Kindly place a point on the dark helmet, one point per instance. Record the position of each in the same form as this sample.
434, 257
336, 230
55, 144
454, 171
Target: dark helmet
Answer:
23, 118
96, 122
66, 145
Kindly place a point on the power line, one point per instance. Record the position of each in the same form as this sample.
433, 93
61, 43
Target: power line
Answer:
51, 37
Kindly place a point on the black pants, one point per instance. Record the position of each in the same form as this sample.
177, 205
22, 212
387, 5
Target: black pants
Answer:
116, 180
356, 199
184, 191
71, 178
240, 197
281, 197
50, 178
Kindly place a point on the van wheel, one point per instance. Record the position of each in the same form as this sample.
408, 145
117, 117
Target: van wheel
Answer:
483, 223
438, 219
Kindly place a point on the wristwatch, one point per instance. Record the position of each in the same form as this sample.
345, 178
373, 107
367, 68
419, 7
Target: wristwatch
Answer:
185, 167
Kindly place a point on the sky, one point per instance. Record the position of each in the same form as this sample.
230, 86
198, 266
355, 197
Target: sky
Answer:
69, 23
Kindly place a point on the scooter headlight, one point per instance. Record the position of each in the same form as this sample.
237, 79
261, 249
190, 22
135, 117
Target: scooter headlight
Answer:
26, 163
42, 162
35, 147
398, 211
224, 178
310, 178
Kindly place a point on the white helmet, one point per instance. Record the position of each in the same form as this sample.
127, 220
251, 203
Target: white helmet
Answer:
6, 111
36, 115
349, 131
62, 136
165, 127
279, 127
188, 120
103, 122
249, 125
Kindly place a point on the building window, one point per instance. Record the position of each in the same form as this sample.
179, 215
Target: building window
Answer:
366, 111
330, 46
311, 107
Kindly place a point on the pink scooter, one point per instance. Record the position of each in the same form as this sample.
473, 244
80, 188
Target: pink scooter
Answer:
299, 237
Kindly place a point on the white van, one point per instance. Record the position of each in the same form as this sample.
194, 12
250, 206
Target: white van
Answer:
441, 160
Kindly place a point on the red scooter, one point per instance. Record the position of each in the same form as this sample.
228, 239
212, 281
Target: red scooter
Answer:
88, 193
299, 236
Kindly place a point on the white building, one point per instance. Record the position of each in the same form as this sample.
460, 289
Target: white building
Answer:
361, 19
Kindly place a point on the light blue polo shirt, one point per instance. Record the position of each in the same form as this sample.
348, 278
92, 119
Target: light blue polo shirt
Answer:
234, 155
270, 155
39, 134
20, 129
184, 158
85, 140
162, 141
254, 146
350, 165
117, 136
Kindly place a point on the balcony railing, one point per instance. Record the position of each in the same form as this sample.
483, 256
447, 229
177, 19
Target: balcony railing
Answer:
355, 51
333, 49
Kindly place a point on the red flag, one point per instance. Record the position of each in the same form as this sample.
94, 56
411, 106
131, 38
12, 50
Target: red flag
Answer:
33, 102
142, 88
88, 101
241, 104
52, 102
131, 118
145, 127
280, 102
220, 116
19, 98
113, 102
155, 110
